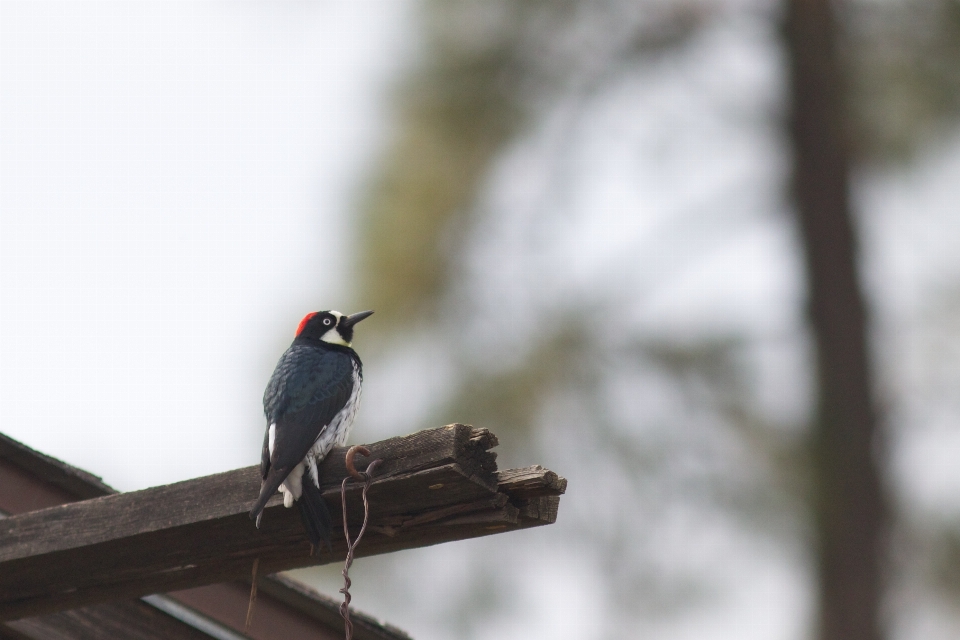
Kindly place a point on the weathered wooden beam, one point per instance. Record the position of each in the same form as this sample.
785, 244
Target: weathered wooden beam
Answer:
30, 480
122, 619
433, 486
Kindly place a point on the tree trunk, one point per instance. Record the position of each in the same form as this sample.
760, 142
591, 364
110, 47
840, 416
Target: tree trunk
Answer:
850, 507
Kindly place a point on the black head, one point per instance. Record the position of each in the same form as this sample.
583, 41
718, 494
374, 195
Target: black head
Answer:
330, 326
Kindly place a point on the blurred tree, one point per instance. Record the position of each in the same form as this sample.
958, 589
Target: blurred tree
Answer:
455, 112
868, 85
487, 68
900, 66
850, 505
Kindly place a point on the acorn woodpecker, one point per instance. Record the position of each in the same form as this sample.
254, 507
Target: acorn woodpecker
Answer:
310, 403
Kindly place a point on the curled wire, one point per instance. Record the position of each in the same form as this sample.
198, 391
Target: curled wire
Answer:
366, 477
352, 470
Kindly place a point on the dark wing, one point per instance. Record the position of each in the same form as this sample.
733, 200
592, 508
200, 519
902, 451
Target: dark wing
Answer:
308, 388
265, 454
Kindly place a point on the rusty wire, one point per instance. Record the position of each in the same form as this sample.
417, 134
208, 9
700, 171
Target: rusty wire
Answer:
366, 477
253, 596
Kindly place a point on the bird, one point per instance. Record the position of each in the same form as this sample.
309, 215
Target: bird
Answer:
310, 403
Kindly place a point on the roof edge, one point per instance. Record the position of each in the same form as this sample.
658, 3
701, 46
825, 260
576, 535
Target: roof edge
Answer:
323, 608
74, 481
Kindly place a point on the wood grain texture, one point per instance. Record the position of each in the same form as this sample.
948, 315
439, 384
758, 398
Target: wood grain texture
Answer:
125, 620
433, 486
530, 482
30, 480
8, 633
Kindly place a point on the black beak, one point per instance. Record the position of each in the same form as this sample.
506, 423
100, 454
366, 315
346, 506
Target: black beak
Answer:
349, 321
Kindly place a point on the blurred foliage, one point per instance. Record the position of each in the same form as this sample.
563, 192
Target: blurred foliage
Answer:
456, 112
509, 400
903, 58
485, 66
945, 567
484, 69
486, 72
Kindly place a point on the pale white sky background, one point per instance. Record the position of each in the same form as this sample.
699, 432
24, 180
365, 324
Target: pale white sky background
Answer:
176, 181
174, 184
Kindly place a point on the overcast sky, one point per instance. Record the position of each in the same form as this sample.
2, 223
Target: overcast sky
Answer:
174, 182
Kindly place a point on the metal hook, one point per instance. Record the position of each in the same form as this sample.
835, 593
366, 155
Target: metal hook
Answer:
352, 470
367, 479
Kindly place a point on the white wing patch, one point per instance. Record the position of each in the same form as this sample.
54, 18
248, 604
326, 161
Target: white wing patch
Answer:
292, 487
271, 437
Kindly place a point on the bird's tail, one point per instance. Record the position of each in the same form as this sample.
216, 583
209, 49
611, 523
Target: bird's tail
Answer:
315, 514
269, 487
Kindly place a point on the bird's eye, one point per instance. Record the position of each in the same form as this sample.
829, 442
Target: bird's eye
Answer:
327, 321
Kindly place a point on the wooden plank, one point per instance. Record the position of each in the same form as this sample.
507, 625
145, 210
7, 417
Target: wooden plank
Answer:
125, 619
30, 480
197, 532
6, 633
530, 482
